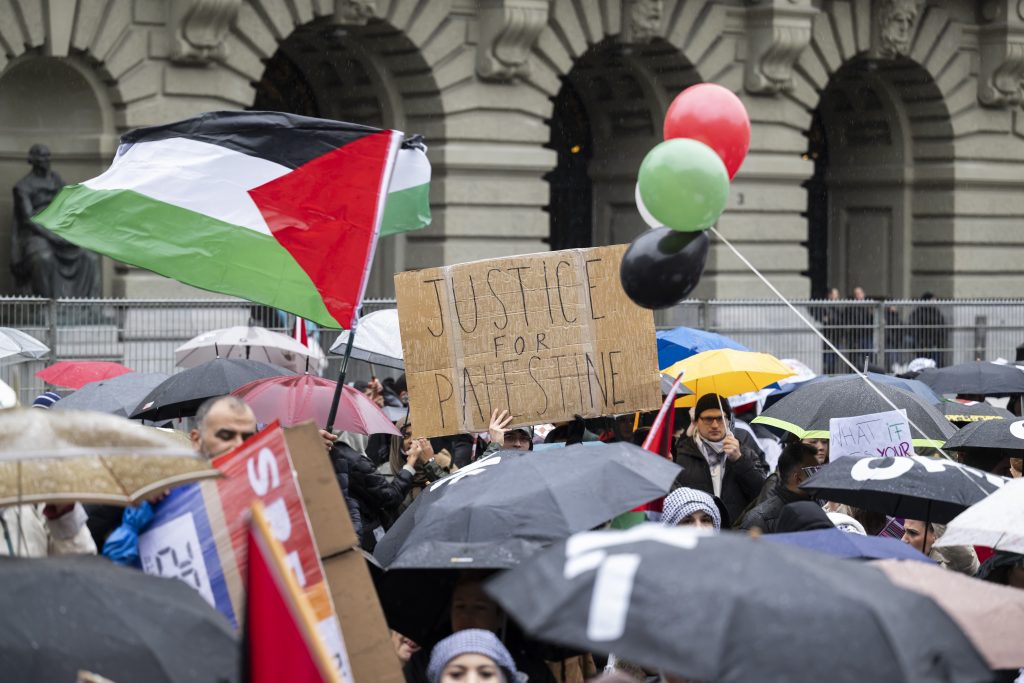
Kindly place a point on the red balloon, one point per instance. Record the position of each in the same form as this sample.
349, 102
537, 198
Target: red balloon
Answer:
715, 116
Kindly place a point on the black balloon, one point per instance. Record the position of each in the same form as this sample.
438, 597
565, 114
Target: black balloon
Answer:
662, 266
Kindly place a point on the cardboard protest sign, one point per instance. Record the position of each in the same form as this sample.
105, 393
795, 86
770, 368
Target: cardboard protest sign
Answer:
198, 534
545, 336
876, 435
367, 638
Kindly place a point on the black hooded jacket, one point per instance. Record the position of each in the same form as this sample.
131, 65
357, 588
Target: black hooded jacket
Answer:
377, 497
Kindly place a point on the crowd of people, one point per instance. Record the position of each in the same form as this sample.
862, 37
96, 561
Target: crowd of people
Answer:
851, 327
734, 476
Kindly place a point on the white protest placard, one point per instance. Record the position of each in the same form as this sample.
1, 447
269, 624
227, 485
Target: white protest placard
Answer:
876, 435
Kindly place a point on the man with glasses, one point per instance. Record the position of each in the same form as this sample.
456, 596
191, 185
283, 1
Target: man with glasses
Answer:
714, 461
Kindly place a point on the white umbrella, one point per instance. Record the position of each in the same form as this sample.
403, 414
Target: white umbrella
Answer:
8, 396
250, 343
995, 522
378, 340
17, 346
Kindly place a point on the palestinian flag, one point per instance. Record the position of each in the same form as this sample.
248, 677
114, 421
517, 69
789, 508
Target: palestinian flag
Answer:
408, 203
279, 209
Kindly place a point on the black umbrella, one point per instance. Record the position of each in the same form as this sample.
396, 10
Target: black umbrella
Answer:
119, 395
181, 395
807, 411
914, 487
1001, 434
538, 497
973, 411
416, 593
980, 378
65, 614
732, 608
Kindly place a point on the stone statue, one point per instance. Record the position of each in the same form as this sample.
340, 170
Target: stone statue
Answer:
643, 20
897, 20
42, 262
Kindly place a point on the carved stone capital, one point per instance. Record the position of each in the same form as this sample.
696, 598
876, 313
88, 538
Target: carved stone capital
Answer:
894, 26
1001, 52
642, 20
354, 12
197, 29
777, 33
507, 30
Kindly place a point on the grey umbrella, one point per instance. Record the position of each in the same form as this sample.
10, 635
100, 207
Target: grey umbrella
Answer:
807, 411
997, 434
979, 378
731, 608
118, 396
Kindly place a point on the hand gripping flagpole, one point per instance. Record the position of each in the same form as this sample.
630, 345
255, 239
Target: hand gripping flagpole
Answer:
341, 375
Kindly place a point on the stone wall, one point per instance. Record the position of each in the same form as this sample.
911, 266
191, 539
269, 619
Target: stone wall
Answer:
935, 205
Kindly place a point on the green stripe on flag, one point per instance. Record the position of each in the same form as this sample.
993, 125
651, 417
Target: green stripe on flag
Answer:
185, 245
406, 210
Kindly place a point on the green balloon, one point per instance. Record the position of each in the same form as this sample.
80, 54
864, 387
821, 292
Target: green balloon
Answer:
684, 184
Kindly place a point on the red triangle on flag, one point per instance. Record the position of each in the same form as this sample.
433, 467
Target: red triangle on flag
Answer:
325, 213
281, 643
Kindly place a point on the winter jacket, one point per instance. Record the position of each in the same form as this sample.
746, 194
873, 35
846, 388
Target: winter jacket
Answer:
341, 471
377, 497
765, 515
28, 533
741, 480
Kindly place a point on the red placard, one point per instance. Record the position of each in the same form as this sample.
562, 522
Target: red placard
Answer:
261, 468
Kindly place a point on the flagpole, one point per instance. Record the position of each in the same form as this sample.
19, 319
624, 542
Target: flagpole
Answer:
341, 377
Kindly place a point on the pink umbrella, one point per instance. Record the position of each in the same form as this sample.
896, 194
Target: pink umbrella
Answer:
75, 374
298, 398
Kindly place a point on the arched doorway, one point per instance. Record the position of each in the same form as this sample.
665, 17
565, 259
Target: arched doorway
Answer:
607, 116
880, 139
34, 96
344, 73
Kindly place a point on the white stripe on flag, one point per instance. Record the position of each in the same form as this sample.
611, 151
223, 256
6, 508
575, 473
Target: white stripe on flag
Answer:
411, 169
199, 176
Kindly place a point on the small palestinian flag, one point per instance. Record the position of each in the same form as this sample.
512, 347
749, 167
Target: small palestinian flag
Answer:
279, 209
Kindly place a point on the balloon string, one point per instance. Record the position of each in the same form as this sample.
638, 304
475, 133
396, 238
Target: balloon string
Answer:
823, 338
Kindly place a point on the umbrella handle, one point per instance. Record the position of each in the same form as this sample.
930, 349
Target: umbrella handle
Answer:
341, 377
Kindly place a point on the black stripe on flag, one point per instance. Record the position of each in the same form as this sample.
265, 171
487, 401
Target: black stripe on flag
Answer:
286, 139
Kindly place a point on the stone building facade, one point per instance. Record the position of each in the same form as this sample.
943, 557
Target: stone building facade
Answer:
888, 135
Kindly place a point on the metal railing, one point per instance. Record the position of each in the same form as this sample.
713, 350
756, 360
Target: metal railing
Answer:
140, 333
143, 334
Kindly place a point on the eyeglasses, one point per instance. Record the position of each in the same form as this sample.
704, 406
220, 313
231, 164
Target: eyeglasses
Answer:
713, 420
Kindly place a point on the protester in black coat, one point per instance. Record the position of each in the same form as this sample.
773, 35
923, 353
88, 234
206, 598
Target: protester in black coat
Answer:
378, 497
787, 490
715, 462
341, 471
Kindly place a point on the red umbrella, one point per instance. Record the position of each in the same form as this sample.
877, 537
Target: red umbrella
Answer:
75, 374
297, 398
